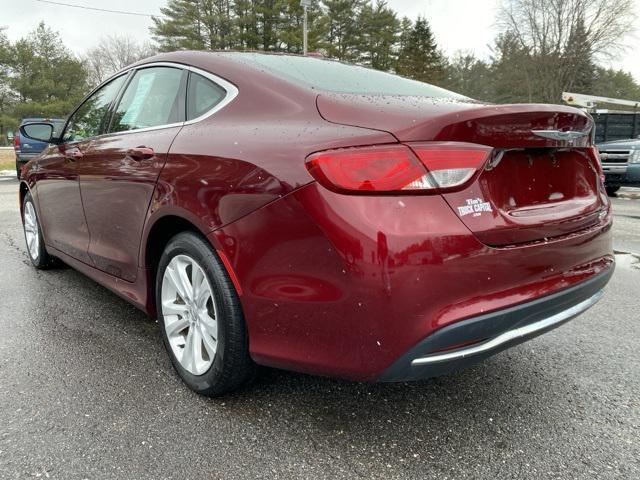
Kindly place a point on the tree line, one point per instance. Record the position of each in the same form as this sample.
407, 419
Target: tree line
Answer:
542, 47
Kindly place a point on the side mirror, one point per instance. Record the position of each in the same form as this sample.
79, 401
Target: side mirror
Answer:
42, 132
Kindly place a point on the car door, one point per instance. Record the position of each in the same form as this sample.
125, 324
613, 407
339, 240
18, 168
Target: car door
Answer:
59, 199
118, 174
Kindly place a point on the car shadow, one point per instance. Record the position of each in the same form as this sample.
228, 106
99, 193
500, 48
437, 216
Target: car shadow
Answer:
483, 398
494, 401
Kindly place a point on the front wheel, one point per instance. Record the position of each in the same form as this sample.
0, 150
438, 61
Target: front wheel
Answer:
611, 191
202, 323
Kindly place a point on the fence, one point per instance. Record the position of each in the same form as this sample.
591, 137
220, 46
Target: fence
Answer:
616, 126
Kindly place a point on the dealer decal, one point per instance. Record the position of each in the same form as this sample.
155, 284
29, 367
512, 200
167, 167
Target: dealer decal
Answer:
475, 206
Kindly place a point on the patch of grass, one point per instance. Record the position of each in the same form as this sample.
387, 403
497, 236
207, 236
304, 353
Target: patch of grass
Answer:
7, 160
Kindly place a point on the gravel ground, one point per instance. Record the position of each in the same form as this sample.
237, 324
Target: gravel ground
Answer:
87, 391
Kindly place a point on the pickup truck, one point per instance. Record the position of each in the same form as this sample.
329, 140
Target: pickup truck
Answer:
27, 149
621, 164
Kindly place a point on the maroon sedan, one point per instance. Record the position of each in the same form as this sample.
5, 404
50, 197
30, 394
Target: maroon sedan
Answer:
321, 217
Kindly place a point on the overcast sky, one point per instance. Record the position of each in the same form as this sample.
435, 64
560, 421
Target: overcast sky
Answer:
458, 24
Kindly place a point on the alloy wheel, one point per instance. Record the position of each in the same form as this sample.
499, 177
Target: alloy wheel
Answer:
190, 315
31, 230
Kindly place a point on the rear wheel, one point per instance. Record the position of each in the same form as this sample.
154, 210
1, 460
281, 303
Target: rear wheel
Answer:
201, 319
611, 191
33, 235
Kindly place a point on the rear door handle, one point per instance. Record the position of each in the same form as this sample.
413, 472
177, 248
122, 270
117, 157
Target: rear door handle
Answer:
141, 153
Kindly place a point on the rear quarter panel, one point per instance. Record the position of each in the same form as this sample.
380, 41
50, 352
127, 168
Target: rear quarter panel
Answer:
248, 154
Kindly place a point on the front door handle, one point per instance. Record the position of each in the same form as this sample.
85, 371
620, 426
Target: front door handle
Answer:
141, 153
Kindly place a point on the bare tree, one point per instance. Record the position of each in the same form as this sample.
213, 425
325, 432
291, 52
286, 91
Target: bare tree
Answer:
113, 53
563, 37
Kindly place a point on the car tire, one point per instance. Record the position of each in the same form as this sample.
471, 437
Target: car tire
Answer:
611, 191
33, 235
187, 313
18, 172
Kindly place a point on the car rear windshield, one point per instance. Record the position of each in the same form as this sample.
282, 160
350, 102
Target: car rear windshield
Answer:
340, 77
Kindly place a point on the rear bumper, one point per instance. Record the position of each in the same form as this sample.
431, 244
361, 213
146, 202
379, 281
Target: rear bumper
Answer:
631, 177
22, 158
489, 334
346, 285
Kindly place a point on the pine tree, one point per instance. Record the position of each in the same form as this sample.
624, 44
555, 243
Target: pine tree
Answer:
180, 27
469, 76
195, 24
340, 29
7, 100
377, 36
247, 36
406, 25
290, 30
419, 57
45, 78
511, 71
615, 84
579, 58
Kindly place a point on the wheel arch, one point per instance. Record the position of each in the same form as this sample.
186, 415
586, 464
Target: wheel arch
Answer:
160, 232
23, 190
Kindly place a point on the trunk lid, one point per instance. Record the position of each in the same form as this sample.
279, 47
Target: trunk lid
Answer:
538, 185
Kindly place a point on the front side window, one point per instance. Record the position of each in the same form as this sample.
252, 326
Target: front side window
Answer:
153, 97
202, 95
58, 125
89, 120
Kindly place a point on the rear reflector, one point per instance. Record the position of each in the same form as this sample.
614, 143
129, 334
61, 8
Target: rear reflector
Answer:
451, 164
398, 169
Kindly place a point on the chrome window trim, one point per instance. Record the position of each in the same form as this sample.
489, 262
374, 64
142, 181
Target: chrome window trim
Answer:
121, 73
231, 89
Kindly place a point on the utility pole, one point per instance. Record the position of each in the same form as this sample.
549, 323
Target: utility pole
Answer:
305, 31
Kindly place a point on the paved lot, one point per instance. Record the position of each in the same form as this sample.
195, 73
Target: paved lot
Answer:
86, 391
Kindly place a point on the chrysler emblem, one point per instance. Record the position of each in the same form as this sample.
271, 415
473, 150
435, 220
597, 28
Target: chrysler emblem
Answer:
567, 136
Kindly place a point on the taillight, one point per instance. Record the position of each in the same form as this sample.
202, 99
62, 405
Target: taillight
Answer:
398, 169
369, 169
16, 141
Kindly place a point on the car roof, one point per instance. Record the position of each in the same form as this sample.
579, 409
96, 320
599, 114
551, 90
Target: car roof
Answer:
301, 73
217, 61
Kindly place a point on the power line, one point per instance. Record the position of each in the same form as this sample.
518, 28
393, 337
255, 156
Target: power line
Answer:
85, 7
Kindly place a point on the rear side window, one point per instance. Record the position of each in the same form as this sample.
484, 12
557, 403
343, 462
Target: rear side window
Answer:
202, 95
89, 120
154, 97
